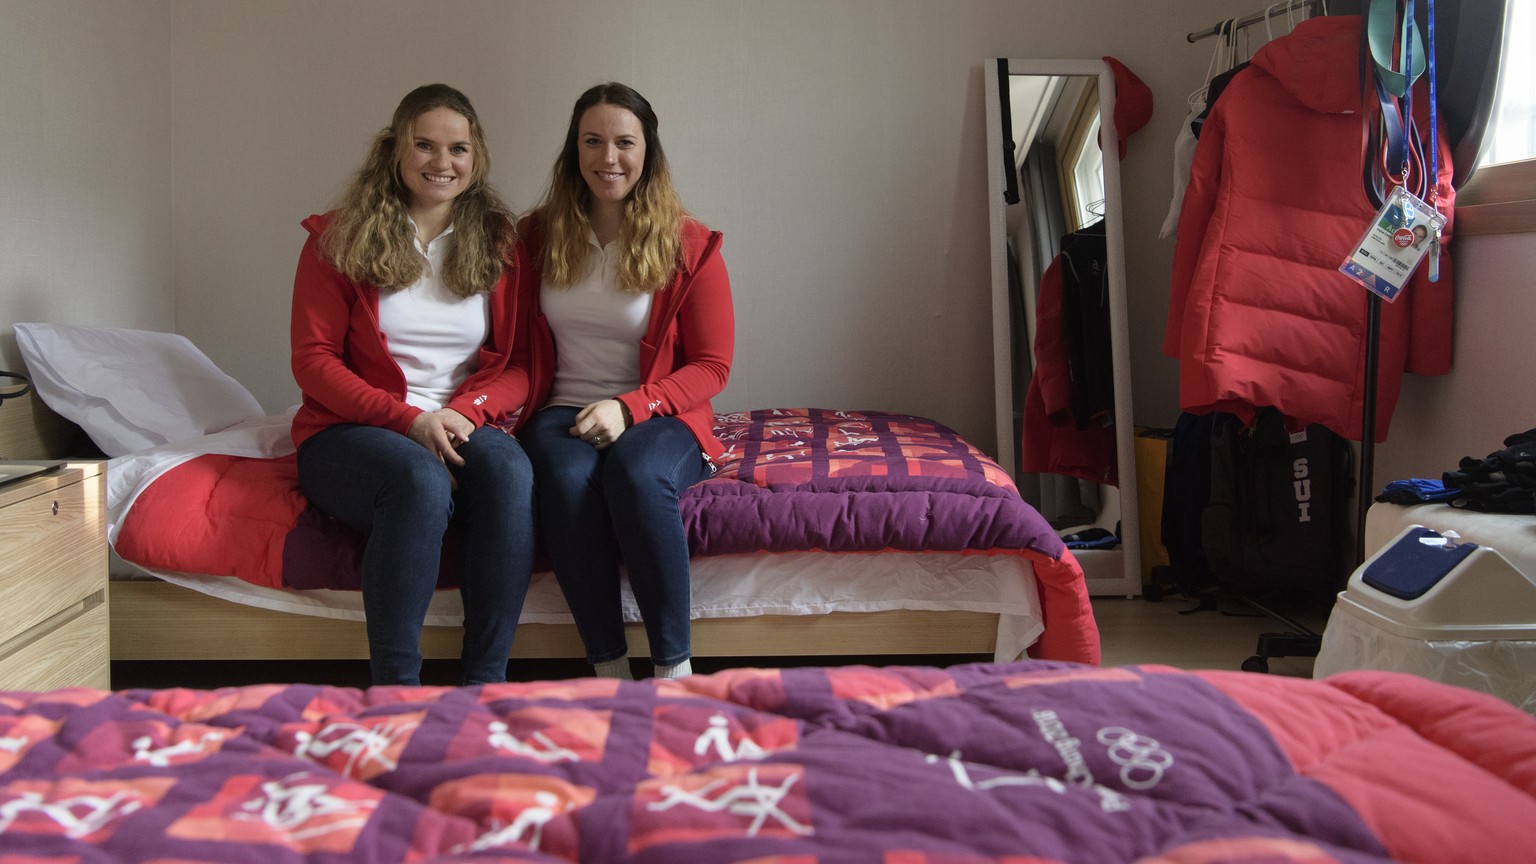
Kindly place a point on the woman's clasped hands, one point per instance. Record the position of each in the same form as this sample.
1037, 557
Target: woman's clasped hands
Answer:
601, 423
441, 432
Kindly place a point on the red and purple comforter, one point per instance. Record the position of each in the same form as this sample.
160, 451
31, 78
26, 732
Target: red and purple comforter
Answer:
1029, 762
791, 480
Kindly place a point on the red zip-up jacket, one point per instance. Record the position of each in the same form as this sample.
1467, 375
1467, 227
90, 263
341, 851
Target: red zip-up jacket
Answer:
1258, 313
342, 363
685, 355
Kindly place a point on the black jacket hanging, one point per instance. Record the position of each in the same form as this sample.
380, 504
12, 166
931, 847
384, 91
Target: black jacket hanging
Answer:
1085, 325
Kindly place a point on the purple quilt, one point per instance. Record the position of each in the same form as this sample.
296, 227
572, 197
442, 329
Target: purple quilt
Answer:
855, 481
1028, 762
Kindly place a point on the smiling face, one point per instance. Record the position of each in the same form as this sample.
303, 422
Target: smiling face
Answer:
439, 160
610, 144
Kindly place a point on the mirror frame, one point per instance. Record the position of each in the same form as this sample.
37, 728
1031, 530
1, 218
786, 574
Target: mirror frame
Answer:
1102, 580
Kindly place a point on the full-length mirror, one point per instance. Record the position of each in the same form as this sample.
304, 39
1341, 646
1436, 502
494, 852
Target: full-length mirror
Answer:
1061, 346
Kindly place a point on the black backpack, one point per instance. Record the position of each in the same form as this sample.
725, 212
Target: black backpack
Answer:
1277, 521
1186, 492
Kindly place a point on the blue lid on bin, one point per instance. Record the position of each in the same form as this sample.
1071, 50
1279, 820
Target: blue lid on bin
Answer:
1415, 564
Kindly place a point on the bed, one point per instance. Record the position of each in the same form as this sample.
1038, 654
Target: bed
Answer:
824, 532
1033, 761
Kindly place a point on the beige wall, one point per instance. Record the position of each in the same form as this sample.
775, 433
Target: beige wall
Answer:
838, 145
85, 165
1491, 391
159, 156
172, 148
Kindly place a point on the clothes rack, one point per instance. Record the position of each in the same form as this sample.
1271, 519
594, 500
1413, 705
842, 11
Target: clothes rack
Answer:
1299, 640
1228, 27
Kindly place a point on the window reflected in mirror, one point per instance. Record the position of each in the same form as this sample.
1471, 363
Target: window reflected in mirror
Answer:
1081, 163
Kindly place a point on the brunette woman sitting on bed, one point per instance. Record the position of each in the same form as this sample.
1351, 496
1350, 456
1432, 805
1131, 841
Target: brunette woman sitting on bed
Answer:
632, 334
403, 316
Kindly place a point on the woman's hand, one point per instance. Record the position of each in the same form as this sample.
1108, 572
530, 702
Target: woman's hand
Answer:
601, 423
441, 432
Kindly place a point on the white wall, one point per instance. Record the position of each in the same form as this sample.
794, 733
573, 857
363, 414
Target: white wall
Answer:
85, 165
159, 156
1491, 391
838, 145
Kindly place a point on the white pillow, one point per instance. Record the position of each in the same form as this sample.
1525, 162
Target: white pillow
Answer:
131, 389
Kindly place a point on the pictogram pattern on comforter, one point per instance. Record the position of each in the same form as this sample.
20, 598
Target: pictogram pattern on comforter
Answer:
1035, 761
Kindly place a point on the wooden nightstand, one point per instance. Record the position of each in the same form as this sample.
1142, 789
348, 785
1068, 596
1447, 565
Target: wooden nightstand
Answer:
53, 580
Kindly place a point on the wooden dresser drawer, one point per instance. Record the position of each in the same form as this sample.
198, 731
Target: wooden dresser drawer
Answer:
70, 652
53, 547
54, 627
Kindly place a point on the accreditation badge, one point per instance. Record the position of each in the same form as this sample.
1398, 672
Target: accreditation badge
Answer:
1399, 237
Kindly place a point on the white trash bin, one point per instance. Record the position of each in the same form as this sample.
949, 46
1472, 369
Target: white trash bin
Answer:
1455, 613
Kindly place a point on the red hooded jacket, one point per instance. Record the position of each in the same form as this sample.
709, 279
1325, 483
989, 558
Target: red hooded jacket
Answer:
685, 355
1052, 441
1259, 312
342, 363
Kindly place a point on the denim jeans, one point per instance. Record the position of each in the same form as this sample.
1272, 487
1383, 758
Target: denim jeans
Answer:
598, 508
389, 487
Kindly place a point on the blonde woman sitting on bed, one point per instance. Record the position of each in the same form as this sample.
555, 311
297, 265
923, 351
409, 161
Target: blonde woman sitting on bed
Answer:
403, 315
632, 334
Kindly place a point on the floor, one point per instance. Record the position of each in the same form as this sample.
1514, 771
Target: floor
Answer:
1189, 633
1209, 633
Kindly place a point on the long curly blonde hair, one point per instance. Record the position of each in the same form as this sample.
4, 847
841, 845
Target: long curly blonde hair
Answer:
651, 234
369, 238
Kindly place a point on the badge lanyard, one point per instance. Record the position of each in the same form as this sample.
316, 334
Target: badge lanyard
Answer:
1406, 226
1434, 150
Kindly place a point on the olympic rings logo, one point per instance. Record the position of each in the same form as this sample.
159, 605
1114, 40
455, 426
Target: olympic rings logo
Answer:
1142, 760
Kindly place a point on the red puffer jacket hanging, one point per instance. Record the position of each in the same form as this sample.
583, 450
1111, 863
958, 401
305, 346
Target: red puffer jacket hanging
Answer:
1259, 313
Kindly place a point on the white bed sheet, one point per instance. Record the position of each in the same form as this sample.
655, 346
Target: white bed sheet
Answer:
725, 586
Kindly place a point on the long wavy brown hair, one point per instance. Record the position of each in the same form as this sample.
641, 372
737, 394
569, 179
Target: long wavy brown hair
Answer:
369, 238
651, 234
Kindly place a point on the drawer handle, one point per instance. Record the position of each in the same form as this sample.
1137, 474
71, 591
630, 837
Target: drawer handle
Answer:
55, 508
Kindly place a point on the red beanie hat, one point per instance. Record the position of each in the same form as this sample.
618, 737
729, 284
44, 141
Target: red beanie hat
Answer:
1133, 102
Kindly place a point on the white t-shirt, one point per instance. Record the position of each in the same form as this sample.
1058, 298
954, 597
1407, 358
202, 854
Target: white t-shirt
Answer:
597, 327
433, 334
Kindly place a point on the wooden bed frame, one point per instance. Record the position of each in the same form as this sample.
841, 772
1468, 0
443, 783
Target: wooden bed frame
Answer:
155, 620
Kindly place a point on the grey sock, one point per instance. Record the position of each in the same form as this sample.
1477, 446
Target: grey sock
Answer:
681, 670
614, 669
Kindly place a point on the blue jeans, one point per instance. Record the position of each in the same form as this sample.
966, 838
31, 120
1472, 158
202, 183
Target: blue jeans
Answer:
600, 507
389, 487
